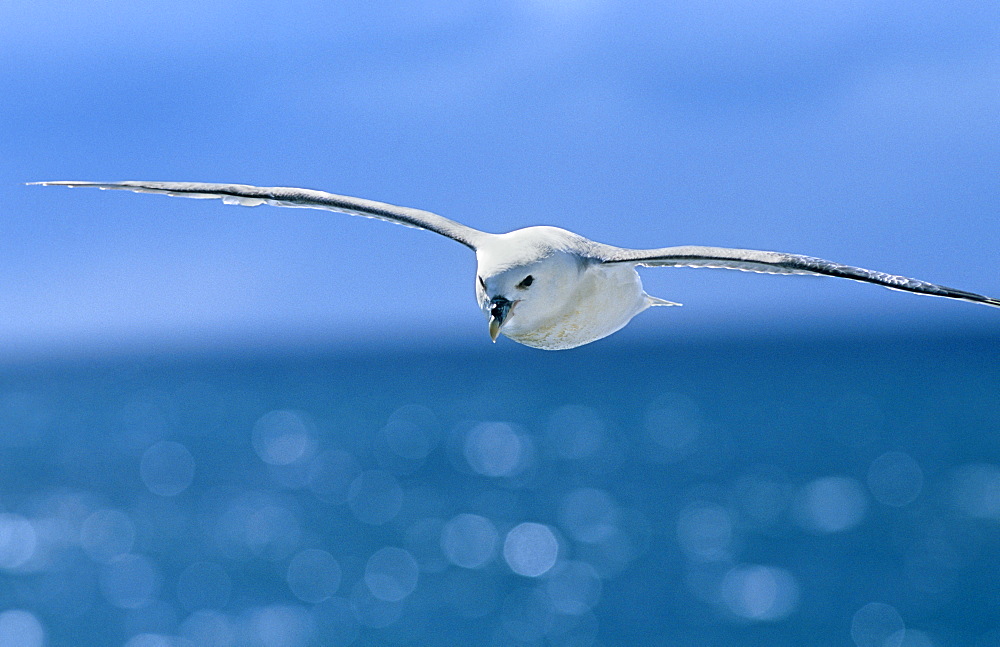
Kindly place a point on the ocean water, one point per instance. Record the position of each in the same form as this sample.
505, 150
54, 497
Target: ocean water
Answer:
803, 491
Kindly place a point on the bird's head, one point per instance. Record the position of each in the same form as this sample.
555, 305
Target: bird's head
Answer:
524, 277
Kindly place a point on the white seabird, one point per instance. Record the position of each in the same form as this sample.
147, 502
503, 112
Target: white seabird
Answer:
547, 287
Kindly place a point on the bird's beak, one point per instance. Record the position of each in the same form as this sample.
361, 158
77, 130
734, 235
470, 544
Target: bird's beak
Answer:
499, 311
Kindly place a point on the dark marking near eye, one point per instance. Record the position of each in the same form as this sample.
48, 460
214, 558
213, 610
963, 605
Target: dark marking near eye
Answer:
528, 280
482, 283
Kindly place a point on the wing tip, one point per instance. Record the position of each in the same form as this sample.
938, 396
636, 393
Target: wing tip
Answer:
69, 183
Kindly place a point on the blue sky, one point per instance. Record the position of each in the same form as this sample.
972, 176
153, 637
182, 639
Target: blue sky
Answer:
862, 132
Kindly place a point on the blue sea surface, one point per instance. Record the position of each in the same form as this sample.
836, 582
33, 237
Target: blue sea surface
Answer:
801, 491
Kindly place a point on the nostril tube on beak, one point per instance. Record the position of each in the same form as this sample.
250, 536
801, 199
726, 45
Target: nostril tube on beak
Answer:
499, 309
499, 306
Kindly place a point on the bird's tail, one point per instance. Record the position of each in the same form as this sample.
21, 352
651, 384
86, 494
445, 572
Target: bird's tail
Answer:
653, 301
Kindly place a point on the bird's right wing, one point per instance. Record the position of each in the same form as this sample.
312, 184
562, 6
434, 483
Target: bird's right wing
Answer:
251, 196
751, 260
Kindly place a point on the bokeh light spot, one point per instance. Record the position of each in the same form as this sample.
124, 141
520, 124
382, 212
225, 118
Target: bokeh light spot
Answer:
589, 515
282, 437
21, 629
573, 587
412, 432
130, 581
495, 449
18, 540
895, 479
271, 530
282, 626
469, 540
167, 468
375, 497
976, 490
760, 592
313, 575
831, 504
705, 531
531, 549
391, 574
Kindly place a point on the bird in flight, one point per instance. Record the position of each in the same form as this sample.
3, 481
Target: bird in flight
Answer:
547, 287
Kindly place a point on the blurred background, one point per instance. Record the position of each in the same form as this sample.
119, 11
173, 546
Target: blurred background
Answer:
229, 426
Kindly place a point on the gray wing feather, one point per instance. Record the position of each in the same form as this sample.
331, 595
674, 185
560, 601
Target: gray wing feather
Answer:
251, 196
750, 260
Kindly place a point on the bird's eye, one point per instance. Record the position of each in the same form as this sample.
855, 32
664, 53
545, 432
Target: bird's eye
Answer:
482, 283
528, 280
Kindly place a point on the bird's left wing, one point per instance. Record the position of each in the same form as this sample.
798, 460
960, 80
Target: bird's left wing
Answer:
252, 196
750, 260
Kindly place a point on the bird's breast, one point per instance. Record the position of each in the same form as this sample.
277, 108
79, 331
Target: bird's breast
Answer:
601, 302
